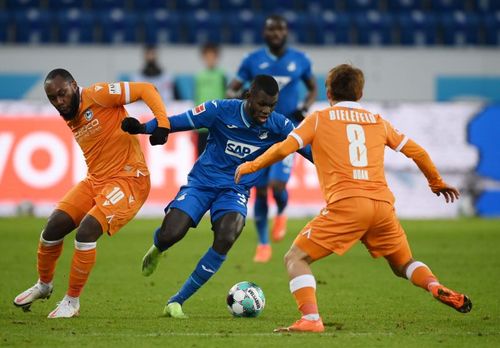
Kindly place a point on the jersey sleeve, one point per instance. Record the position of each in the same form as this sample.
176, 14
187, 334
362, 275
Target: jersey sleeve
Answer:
244, 73
305, 132
394, 138
122, 93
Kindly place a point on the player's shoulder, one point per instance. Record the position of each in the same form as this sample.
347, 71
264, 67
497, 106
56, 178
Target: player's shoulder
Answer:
228, 105
103, 88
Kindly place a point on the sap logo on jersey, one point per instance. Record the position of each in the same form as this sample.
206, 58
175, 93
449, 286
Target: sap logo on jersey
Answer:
240, 150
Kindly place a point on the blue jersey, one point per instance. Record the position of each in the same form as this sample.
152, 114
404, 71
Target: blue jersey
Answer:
288, 70
233, 139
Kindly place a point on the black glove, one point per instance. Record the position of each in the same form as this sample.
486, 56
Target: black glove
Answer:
299, 114
133, 126
159, 136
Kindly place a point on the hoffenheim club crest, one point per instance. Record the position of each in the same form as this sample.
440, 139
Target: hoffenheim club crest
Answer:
263, 134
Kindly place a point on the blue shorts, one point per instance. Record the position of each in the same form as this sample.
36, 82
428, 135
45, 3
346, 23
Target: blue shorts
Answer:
196, 201
280, 171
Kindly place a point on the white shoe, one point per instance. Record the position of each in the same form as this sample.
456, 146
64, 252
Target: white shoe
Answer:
69, 307
36, 292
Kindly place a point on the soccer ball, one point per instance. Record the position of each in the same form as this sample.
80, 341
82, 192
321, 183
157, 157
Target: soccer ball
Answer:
245, 299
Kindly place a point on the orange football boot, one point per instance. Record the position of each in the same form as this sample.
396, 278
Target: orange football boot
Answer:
303, 325
459, 302
263, 253
279, 228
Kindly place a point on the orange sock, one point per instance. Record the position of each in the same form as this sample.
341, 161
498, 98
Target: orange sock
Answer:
420, 275
83, 261
303, 289
47, 258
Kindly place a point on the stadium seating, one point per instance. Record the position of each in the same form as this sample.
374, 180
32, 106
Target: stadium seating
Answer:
4, 27
362, 5
244, 27
448, 5
22, 4
234, 5
492, 29
76, 26
417, 28
33, 26
118, 26
108, 4
405, 5
203, 26
374, 28
161, 26
193, 5
65, 4
460, 28
332, 28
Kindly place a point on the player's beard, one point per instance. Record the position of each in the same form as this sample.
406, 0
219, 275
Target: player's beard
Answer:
75, 105
276, 46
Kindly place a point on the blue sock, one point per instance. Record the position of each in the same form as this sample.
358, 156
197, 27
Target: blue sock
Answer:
281, 198
157, 243
261, 219
206, 268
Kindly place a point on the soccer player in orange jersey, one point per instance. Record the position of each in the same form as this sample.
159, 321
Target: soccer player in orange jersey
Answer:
116, 186
348, 145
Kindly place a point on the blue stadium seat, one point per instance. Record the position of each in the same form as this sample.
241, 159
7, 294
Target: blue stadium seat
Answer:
405, 5
235, 5
65, 4
417, 28
276, 6
22, 4
299, 27
332, 28
4, 26
203, 26
318, 6
33, 26
492, 29
362, 5
244, 27
448, 5
192, 5
108, 4
151, 4
460, 28
76, 26
118, 26
374, 28
488, 6
162, 26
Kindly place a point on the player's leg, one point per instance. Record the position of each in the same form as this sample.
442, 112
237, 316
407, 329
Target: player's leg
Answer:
174, 227
279, 174
184, 212
387, 238
61, 222
263, 251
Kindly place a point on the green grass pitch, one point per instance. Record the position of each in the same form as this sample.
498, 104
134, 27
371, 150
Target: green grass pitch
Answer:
361, 302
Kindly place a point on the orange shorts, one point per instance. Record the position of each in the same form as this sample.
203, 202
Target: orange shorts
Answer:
339, 226
113, 202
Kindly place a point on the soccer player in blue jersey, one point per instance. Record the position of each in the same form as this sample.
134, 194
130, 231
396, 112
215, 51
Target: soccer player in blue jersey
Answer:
289, 67
239, 130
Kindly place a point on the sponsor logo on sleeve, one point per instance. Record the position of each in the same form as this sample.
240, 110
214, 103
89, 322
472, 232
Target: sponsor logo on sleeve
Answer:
199, 109
240, 150
114, 88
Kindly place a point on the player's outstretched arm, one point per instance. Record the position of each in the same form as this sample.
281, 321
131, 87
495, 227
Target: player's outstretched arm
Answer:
418, 154
274, 154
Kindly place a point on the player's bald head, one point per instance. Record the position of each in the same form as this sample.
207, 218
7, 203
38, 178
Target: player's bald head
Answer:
345, 83
265, 83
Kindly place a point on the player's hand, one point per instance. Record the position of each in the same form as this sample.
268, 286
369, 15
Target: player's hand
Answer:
159, 136
449, 192
245, 168
133, 126
299, 114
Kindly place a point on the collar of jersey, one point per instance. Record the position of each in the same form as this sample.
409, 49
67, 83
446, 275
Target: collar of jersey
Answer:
349, 104
243, 115
272, 56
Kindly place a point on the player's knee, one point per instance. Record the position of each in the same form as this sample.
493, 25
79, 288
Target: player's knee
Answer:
261, 192
58, 225
291, 257
89, 230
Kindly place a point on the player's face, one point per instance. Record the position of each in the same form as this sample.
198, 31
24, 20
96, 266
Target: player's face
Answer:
64, 96
275, 33
260, 106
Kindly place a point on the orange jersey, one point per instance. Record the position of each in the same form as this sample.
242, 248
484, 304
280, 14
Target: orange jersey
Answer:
348, 144
109, 151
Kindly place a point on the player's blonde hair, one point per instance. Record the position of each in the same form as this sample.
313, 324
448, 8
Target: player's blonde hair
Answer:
345, 82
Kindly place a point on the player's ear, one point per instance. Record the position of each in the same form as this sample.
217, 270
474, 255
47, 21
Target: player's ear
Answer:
74, 85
